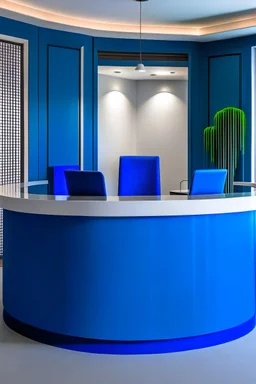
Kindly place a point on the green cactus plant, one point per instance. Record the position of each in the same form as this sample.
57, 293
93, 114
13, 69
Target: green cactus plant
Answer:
224, 141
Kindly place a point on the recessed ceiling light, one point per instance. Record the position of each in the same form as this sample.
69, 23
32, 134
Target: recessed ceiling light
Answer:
153, 74
118, 72
172, 73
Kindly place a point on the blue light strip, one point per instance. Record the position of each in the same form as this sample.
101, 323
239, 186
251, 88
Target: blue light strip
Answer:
128, 348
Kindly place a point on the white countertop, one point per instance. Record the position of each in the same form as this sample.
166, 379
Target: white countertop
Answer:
15, 197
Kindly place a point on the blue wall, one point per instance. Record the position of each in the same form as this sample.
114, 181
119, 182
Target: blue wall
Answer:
224, 83
229, 65
219, 76
59, 53
63, 105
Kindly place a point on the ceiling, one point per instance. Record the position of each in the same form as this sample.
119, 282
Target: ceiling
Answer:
161, 12
184, 19
129, 73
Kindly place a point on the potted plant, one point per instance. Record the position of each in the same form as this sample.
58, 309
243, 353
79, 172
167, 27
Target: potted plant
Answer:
224, 141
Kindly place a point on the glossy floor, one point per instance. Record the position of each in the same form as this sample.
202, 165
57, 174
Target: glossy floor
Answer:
26, 362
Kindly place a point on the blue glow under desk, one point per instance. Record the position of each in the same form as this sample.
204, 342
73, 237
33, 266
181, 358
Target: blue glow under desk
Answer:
129, 275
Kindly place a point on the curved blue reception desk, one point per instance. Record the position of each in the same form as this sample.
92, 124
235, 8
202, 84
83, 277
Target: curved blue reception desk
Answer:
128, 275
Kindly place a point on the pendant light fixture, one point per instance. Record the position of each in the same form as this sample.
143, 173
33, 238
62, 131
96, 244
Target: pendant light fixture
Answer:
140, 67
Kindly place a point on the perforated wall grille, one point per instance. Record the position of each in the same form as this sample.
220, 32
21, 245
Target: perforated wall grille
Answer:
135, 56
11, 117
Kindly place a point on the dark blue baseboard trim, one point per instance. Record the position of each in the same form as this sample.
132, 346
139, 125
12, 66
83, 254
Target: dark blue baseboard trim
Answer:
127, 348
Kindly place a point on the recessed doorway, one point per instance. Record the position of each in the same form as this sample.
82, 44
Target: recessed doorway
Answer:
143, 114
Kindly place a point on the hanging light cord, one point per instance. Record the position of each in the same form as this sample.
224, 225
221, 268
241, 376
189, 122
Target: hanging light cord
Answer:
140, 34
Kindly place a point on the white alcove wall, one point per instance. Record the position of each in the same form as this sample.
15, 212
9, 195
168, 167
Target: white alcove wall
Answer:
116, 126
143, 118
162, 128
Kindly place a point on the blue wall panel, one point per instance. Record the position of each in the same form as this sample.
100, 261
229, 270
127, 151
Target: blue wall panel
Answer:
198, 108
224, 83
63, 106
65, 42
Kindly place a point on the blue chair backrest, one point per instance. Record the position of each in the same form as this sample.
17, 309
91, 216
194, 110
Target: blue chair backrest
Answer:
57, 179
139, 176
85, 183
208, 182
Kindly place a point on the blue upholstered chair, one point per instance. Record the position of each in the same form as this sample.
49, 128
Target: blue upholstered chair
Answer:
85, 183
139, 176
208, 182
57, 179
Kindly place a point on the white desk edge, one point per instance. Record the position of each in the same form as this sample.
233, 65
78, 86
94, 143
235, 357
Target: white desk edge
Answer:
13, 200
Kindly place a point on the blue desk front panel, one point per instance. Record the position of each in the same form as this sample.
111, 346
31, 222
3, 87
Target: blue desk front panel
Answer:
129, 279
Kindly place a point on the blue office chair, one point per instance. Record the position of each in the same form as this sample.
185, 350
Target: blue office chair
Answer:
57, 180
85, 183
208, 182
139, 176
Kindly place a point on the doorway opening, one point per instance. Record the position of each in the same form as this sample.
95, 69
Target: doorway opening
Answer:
143, 114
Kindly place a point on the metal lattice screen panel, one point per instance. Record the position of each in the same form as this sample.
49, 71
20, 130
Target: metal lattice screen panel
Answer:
11, 118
